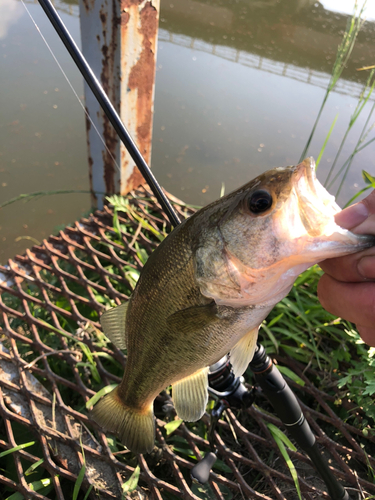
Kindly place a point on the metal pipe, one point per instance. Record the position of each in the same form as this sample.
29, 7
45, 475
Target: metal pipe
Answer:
108, 109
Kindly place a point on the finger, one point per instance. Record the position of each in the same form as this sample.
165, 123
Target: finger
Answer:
355, 215
356, 267
359, 218
354, 302
367, 334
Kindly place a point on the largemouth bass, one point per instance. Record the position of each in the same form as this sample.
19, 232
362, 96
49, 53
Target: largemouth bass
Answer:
206, 289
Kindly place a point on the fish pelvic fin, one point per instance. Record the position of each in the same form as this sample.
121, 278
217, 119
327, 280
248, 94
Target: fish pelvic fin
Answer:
113, 324
243, 352
190, 395
135, 428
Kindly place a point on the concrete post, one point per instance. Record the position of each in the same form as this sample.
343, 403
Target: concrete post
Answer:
119, 40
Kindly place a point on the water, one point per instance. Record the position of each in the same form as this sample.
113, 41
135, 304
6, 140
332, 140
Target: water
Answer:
238, 87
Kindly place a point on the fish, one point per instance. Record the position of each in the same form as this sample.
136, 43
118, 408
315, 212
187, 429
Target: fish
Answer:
206, 289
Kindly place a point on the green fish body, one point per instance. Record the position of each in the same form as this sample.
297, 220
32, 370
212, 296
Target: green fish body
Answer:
206, 289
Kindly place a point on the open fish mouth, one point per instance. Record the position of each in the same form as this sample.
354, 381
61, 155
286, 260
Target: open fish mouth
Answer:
317, 209
316, 206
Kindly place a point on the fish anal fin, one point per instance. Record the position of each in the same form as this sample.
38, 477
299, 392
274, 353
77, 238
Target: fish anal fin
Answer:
135, 428
242, 353
113, 324
193, 318
190, 395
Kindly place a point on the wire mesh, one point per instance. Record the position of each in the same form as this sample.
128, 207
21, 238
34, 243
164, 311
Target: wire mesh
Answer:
54, 358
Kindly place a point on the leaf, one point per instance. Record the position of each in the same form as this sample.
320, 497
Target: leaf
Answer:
99, 394
370, 389
45, 485
280, 439
271, 335
290, 374
275, 431
172, 426
78, 483
16, 448
343, 381
93, 369
33, 467
221, 466
325, 142
132, 482
368, 178
275, 320
88, 492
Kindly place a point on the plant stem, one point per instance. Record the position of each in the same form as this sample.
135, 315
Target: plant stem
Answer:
29, 196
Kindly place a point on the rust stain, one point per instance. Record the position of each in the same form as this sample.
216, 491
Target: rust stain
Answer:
88, 122
111, 87
126, 4
94, 199
141, 78
89, 5
135, 180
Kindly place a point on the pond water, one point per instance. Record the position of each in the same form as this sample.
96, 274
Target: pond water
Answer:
238, 87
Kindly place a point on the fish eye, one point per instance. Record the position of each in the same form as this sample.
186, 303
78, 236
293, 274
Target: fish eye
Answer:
260, 201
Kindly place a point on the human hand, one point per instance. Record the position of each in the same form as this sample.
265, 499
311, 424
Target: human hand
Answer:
348, 287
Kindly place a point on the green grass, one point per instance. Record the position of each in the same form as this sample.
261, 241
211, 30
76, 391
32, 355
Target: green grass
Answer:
342, 57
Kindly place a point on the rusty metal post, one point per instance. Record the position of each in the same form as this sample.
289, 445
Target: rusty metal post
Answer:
119, 41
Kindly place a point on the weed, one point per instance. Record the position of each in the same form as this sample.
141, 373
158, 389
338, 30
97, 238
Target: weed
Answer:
342, 57
282, 440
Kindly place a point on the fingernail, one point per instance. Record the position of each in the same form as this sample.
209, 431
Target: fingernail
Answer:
352, 216
366, 267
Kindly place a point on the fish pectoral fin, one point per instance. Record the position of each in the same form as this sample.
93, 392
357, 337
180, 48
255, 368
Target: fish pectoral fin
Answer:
190, 395
243, 352
113, 324
193, 318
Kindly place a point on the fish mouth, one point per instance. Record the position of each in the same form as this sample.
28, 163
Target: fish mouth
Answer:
317, 209
316, 205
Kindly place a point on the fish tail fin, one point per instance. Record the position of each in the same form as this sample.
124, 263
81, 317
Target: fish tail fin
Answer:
135, 428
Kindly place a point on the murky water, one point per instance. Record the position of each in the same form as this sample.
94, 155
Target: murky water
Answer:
238, 87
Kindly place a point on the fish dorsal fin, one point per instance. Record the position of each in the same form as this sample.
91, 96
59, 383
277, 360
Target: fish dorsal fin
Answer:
193, 318
190, 395
243, 352
113, 324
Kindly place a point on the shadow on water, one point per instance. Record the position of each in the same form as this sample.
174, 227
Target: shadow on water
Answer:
238, 87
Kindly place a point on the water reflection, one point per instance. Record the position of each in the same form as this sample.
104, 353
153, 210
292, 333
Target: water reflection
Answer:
10, 12
300, 32
238, 87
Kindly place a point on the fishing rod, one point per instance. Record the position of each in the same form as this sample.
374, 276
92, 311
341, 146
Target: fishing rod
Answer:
229, 390
109, 109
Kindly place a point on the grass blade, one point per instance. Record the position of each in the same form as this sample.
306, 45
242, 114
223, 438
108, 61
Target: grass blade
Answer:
78, 483
99, 394
33, 467
131, 483
16, 448
281, 440
44, 486
290, 374
343, 53
325, 142
172, 426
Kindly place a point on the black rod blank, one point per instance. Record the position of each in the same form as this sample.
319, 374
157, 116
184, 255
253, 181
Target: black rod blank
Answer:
108, 109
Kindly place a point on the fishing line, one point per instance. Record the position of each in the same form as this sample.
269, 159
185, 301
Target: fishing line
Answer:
71, 86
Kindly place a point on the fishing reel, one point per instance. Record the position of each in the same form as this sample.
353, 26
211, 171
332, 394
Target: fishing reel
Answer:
231, 392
